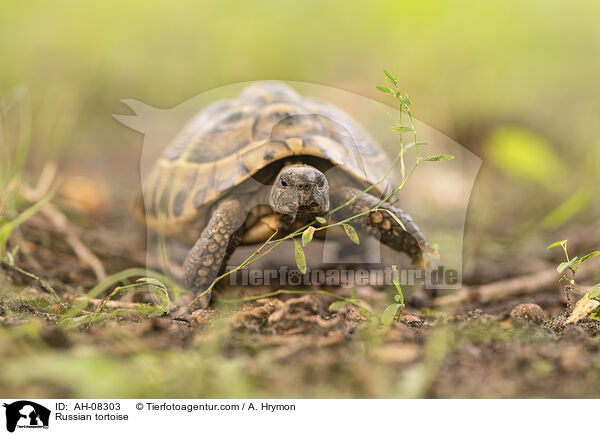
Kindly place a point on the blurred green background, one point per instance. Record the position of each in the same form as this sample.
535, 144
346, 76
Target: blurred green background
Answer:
516, 82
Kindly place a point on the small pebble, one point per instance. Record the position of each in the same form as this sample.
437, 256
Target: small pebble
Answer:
528, 313
202, 316
410, 320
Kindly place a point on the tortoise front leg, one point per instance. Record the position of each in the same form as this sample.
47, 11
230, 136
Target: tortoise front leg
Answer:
381, 222
218, 240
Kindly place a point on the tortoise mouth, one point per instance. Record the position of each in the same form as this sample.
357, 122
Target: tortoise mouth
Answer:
302, 212
313, 208
309, 211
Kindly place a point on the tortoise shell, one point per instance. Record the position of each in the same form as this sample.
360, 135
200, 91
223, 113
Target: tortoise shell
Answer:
229, 141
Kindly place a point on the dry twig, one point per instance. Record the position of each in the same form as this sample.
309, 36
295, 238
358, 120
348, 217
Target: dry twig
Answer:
60, 222
499, 290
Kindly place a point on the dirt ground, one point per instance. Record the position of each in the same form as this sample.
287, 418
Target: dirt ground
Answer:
283, 346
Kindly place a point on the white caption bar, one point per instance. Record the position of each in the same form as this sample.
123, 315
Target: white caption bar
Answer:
265, 416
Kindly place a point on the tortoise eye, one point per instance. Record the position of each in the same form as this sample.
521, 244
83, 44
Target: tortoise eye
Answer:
284, 183
321, 184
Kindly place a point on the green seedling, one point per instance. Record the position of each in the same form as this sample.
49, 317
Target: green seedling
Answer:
589, 304
394, 311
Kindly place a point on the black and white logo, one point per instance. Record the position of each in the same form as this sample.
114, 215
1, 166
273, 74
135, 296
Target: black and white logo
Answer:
25, 414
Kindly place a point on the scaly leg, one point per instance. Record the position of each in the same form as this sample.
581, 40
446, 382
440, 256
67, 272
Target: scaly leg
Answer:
218, 240
412, 241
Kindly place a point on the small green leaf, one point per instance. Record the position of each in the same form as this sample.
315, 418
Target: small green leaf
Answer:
9, 259
337, 305
396, 218
389, 76
589, 256
351, 232
439, 158
594, 292
354, 294
300, 258
364, 312
384, 90
565, 264
321, 220
307, 235
401, 129
562, 243
389, 313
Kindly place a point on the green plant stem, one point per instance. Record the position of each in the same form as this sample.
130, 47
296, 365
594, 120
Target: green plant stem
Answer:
36, 278
114, 279
8, 227
122, 289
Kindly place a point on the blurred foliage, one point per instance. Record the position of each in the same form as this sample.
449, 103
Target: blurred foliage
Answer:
456, 59
525, 156
567, 210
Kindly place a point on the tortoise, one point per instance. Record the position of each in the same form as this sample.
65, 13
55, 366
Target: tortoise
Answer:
267, 161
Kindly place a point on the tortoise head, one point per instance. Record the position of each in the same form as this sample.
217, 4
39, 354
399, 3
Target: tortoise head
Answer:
300, 192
